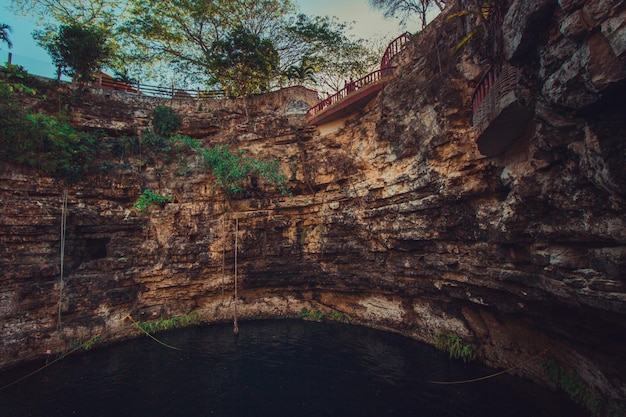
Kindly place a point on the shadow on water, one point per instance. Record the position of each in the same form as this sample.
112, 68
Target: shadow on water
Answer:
272, 368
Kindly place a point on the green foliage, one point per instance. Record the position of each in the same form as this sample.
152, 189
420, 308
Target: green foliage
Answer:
165, 121
125, 146
84, 343
180, 35
336, 315
232, 168
42, 141
454, 345
148, 199
243, 63
79, 50
93, 12
407, 9
183, 143
153, 142
4, 34
303, 73
314, 315
579, 392
169, 323
317, 50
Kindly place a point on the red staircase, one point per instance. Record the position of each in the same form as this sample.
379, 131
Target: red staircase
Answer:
357, 93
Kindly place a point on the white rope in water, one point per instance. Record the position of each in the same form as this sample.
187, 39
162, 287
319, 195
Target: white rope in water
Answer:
235, 325
223, 253
61, 282
467, 381
150, 335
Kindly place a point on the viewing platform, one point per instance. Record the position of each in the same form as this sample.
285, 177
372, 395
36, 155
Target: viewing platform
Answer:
499, 116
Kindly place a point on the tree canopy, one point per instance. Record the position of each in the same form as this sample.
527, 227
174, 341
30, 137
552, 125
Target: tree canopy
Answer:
179, 40
243, 63
406, 9
79, 50
102, 13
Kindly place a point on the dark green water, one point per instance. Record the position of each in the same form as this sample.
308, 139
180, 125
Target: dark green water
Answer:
273, 368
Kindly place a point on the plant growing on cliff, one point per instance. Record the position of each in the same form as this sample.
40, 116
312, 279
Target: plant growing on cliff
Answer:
314, 315
579, 392
169, 323
148, 199
39, 140
84, 343
165, 121
486, 18
232, 168
454, 345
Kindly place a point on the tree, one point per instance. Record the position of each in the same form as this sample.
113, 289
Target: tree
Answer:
243, 63
4, 34
102, 13
303, 73
183, 33
405, 9
319, 46
79, 50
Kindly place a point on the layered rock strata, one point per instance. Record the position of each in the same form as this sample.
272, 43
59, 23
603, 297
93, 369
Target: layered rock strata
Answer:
394, 221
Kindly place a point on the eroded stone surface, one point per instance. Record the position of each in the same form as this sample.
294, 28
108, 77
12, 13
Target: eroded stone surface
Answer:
395, 221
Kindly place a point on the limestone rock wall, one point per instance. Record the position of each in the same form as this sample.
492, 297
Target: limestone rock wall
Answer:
394, 221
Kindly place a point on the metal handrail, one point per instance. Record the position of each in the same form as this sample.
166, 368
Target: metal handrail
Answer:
395, 47
493, 85
157, 91
371, 78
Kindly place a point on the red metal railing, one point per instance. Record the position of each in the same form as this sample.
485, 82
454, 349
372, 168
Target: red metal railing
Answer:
371, 78
394, 48
493, 85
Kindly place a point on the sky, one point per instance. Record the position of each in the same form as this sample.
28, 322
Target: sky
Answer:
366, 24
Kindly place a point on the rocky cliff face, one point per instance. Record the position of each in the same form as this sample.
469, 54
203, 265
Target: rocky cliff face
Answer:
395, 220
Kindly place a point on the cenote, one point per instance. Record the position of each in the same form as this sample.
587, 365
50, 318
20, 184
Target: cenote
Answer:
272, 368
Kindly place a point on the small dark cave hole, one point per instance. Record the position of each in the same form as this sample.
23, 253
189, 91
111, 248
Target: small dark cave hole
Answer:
96, 248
